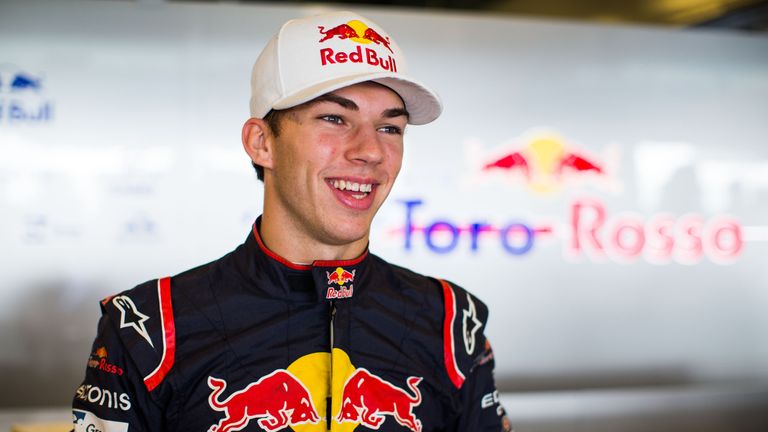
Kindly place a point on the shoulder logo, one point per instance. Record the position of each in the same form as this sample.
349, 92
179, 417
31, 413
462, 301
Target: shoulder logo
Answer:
131, 317
470, 325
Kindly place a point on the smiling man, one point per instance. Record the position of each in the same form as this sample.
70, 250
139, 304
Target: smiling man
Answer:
301, 328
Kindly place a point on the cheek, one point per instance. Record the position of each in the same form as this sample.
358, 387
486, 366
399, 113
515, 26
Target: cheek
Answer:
395, 159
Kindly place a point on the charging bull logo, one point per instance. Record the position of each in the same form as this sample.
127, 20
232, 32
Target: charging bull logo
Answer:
277, 400
546, 162
367, 398
356, 31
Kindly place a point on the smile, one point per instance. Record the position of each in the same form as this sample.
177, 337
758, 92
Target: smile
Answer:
350, 186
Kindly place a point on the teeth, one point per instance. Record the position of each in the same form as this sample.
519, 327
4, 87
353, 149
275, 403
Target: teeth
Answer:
353, 187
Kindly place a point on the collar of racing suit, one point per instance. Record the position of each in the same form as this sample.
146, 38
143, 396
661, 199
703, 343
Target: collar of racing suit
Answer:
322, 280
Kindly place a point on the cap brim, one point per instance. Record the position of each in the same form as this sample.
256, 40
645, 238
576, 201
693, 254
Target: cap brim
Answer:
423, 105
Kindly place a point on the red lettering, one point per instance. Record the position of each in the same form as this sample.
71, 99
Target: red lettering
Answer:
724, 240
627, 238
587, 218
341, 57
689, 247
371, 58
325, 56
356, 56
660, 240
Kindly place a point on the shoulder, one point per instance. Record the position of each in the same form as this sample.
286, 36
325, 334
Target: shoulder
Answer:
143, 320
464, 321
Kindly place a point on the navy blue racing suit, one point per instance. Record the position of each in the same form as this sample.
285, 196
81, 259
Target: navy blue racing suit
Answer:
253, 342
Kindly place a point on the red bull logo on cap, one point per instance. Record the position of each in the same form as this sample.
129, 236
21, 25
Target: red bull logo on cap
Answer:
367, 398
277, 400
361, 34
340, 277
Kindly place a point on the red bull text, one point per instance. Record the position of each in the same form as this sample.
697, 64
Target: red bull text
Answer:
340, 277
357, 55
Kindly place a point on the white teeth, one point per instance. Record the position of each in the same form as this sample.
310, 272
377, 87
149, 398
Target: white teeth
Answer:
354, 187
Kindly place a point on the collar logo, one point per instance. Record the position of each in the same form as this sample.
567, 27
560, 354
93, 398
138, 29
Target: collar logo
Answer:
340, 277
356, 31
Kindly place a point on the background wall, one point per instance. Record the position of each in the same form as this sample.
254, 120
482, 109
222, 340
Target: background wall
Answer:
642, 264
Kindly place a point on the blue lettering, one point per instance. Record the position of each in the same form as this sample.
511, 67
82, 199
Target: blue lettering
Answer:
515, 228
442, 226
409, 205
477, 228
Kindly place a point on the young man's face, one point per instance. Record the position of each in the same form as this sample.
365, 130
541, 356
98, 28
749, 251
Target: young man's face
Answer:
334, 162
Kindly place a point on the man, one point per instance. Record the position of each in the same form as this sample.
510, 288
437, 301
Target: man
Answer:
300, 328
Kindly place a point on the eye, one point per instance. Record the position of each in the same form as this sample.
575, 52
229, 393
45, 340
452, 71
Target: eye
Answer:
391, 129
332, 118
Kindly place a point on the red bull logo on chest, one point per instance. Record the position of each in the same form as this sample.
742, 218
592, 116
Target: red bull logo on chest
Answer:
277, 400
316, 394
359, 33
367, 398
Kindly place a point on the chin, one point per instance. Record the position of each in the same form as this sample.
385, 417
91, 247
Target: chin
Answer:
351, 231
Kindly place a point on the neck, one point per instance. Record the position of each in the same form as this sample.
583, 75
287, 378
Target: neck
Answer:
283, 237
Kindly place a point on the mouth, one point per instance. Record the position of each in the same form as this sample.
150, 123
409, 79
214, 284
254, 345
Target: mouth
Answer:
355, 194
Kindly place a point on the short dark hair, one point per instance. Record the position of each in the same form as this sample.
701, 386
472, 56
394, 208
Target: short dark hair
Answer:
273, 118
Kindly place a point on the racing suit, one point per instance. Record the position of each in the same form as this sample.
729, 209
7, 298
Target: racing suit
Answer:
253, 342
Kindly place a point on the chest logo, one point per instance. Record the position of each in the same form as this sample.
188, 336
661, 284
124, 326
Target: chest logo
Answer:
131, 317
277, 400
340, 278
367, 398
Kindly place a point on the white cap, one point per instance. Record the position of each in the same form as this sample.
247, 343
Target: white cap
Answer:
312, 56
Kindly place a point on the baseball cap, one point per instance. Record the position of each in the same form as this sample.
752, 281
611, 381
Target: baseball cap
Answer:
315, 55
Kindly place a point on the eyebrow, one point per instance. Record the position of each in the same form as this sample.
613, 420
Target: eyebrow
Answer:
351, 105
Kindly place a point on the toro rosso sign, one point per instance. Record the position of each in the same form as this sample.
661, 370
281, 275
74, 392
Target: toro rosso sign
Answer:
587, 228
589, 231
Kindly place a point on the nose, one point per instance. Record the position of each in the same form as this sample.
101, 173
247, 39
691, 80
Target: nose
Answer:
366, 147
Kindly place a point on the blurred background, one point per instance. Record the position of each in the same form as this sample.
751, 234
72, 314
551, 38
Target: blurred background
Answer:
599, 177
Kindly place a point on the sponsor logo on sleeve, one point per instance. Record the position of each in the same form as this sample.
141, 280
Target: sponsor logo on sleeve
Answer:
102, 397
470, 325
99, 361
85, 421
131, 317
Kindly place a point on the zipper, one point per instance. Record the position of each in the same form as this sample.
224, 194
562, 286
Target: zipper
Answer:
329, 401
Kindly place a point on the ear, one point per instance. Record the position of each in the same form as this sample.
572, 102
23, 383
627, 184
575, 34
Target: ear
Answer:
257, 141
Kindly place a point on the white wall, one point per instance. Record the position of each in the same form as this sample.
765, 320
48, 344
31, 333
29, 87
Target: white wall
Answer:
134, 170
